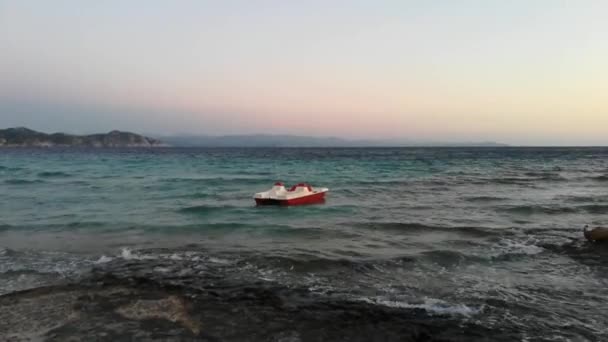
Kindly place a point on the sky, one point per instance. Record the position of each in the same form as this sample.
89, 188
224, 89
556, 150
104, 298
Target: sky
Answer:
518, 72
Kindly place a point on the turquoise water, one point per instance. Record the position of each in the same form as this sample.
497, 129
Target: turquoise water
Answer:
487, 235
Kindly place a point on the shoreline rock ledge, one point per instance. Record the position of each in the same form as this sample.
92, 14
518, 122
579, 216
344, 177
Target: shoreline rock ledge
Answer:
25, 137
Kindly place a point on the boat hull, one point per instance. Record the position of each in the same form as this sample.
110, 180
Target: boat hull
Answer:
310, 199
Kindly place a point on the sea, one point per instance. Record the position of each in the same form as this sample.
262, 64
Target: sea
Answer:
420, 244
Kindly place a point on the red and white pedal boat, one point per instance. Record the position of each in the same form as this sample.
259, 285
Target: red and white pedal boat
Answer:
298, 194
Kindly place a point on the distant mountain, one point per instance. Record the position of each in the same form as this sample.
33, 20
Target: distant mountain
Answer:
261, 140
24, 137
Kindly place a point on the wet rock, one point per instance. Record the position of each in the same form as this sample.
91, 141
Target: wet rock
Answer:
113, 309
171, 308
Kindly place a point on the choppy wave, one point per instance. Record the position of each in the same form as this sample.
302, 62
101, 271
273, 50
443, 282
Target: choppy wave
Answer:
513, 181
546, 176
128, 254
59, 264
53, 174
503, 250
213, 181
511, 247
450, 258
413, 227
384, 182
583, 199
95, 226
556, 210
485, 199
104, 259
310, 263
601, 178
538, 209
10, 168
595, 208
20, 181
5, 251
196, 195
205, 209
528, 179
430, 305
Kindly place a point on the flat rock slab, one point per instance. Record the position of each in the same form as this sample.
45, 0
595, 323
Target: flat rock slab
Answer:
127, 310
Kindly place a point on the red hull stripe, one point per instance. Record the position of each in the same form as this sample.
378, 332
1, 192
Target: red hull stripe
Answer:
314, 198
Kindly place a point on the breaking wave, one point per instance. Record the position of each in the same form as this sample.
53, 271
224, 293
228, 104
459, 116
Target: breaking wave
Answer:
510, 247
431, 305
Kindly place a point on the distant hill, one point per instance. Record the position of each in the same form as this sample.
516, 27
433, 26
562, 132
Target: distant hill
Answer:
24, 137
261, 140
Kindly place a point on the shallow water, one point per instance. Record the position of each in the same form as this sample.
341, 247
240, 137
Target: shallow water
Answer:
490, 237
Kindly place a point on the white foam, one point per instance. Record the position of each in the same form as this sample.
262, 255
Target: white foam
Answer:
127, 254
218, 261
103, 259
175, 257
526, 247
430, 305
321, 289
267, 275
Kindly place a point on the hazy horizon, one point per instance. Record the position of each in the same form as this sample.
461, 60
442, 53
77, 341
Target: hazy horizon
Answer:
519, 73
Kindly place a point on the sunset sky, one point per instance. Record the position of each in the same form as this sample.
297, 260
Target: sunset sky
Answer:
518, 72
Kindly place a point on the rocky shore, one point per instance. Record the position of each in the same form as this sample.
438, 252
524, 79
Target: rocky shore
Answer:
115, 309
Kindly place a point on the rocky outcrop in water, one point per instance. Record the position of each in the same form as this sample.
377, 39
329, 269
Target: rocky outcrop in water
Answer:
139, 309
24, 137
